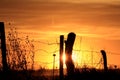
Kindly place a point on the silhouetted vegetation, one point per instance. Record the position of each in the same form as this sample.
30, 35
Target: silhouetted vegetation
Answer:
20, 60
20, 51
45, 74
18, 55
96, 74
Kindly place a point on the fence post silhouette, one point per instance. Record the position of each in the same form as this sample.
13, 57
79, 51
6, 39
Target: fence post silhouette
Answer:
68, 51
105, 60
53, 65
61, 56
3, 47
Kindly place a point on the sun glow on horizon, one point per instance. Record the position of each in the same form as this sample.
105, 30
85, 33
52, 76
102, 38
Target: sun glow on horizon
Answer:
74, 58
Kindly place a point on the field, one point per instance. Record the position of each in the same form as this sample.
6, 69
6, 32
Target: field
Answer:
45, 74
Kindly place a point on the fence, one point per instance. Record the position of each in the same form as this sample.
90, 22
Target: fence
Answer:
86, 52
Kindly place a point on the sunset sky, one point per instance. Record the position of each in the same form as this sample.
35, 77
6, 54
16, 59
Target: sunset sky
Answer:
95, 22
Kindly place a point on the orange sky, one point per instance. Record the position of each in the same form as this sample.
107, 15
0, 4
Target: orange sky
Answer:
97, 21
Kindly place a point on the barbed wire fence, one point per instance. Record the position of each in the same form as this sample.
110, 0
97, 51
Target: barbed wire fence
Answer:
78, 52
80, 62
82, 55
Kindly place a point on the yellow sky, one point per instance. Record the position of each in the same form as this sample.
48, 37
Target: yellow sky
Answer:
97, 21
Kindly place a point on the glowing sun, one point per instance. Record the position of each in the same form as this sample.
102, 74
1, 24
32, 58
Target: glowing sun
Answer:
74, 57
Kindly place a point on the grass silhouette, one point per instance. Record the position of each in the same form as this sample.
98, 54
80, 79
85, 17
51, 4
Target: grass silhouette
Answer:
80, 74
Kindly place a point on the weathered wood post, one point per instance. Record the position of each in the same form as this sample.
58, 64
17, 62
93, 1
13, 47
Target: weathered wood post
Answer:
68, 51
61, 57
3, 46
105, 60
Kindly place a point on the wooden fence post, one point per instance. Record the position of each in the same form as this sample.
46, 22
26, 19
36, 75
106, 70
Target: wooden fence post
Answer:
61, 57
105, 60
68, 51
3, 46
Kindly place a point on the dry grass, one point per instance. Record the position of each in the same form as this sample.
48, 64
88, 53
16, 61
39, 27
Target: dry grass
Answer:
80, 74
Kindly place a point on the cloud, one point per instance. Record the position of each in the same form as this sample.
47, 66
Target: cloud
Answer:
46, 20
62, 17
